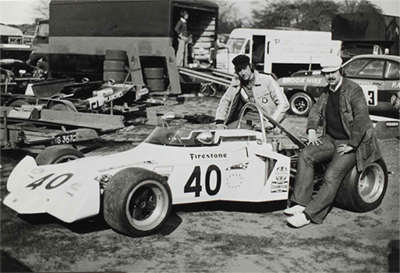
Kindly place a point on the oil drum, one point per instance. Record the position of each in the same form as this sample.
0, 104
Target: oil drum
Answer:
114, 67
155, 78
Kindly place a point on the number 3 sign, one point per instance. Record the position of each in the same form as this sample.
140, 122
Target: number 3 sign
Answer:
371, 94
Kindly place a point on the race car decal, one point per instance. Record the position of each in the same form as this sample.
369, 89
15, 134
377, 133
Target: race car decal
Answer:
239, 166
279, 186
53, 183
281, 173
371, 94
392, 124
396, 84
208, 156
303, 80
234, 181
195, 178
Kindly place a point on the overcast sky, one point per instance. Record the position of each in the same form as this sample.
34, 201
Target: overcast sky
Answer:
20, 11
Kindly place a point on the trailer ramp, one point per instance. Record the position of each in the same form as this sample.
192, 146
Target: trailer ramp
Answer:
215, 76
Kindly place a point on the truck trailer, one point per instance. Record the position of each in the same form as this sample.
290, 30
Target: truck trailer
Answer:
81, 31
366, 33
277, 51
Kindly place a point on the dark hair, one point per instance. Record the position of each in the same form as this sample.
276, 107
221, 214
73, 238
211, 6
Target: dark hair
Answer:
183, 12
251, 68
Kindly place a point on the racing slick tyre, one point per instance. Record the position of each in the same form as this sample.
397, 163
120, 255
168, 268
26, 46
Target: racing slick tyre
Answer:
363, 191
17, 103
58, 154
301, 104
137, 202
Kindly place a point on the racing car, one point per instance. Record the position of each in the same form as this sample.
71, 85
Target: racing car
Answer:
135, 189
378, 76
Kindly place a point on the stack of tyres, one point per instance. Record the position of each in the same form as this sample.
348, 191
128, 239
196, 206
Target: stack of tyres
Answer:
115, 66
155, 78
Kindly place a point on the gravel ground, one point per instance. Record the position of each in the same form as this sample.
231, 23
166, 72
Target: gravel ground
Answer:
215, 237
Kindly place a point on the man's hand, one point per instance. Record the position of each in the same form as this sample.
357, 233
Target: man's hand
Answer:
220, 126
313, 138
344, 148
268, 126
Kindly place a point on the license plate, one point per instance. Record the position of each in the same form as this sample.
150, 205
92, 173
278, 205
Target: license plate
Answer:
64, 139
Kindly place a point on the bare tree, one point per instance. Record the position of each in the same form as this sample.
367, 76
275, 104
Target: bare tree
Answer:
350, 6
42, 9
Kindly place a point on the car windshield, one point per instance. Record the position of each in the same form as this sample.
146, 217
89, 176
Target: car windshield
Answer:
234, 45
365, 68
173, 137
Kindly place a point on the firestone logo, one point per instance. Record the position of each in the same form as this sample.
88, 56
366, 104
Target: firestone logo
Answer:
209, 156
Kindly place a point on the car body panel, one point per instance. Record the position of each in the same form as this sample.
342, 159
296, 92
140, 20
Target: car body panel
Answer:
237, 166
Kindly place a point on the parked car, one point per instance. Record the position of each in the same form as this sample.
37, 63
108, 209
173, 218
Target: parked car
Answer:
135, 189
16, 74
378, 76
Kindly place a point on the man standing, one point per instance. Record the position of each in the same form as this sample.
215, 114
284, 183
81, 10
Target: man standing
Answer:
348, 139
183, 38
250, 86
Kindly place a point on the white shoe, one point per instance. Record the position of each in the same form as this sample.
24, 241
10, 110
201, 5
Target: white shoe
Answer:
298, 220
294, 210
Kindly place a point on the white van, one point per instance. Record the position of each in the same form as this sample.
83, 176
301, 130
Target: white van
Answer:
281, 52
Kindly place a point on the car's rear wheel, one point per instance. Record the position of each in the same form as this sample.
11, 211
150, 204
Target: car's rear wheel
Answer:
58, 154
137, 202
301, 104
363, 191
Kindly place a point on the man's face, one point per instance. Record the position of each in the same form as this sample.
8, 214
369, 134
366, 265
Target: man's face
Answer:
332, 78
244, 72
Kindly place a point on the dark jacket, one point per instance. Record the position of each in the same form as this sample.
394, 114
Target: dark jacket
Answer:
355, 119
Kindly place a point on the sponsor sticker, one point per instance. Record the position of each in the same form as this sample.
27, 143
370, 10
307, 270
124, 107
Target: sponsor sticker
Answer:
392, 124
234, 181
281, 173
239, 166
279, 186
200, 156
264, 100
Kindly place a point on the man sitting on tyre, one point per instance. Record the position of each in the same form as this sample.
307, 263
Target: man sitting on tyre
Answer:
348, 138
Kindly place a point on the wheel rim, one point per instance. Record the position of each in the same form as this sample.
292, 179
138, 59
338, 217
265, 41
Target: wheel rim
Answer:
65, 158
147, 205
371, 183
301, 104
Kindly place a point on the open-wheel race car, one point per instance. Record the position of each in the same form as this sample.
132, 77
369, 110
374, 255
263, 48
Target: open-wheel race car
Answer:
135, 189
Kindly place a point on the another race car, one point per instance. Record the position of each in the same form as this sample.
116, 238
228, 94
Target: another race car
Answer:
136, 188
378, 75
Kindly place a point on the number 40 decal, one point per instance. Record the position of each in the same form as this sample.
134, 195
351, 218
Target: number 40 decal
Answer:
194, 182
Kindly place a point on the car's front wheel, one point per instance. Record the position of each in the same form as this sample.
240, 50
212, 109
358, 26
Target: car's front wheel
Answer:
301, 103
363, 191
137, 202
